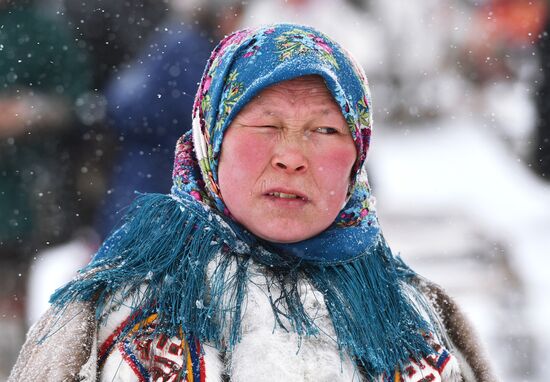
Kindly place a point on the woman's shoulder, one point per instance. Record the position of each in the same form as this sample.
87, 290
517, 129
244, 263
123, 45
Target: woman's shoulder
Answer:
457, 331
60, 346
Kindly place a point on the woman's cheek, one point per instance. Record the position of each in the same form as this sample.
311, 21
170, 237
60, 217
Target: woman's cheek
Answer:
254, 147
249, 156
338, 162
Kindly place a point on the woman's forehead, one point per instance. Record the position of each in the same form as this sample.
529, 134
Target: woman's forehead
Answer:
309, 90
306, 84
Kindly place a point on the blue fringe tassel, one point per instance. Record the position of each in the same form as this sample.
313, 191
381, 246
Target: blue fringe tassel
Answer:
373, 319
160, 255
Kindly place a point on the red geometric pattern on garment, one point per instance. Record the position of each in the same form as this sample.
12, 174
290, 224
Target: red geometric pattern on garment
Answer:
418, 372
155, 357
163, 357
428, 369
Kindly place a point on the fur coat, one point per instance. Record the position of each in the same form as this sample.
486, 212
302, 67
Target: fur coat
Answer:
66, 348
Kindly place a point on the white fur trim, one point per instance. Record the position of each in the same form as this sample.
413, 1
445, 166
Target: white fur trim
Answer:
116, 370
268, 353
452, 372
88, 371
213, 364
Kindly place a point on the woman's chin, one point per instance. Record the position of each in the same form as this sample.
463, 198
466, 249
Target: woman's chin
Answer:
286, 235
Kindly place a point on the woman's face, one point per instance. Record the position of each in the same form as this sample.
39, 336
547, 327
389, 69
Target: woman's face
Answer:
286, 160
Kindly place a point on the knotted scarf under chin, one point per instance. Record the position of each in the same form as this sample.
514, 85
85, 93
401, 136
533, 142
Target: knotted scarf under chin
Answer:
166, 249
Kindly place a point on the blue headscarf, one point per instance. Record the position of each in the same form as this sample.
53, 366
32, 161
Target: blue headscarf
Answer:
247, 62
167, 241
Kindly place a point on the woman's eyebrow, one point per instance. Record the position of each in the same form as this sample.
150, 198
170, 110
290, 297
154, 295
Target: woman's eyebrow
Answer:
327, 111
270, 111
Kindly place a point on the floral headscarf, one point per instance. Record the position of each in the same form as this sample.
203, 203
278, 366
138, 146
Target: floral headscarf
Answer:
242, 65
247, 62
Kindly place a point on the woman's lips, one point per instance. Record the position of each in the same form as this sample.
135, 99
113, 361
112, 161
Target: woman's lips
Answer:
286, 197
285, 193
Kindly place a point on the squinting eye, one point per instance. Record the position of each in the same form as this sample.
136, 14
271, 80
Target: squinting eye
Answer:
327, 130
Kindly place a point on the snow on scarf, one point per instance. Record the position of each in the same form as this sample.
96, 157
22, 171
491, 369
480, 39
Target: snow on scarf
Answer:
166, 242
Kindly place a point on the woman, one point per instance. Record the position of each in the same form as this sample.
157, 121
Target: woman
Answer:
266, 262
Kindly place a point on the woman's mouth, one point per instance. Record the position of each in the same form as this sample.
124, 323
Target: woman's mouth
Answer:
284, 195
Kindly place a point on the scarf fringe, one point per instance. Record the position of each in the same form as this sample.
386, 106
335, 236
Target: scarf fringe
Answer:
160, 258
374, 319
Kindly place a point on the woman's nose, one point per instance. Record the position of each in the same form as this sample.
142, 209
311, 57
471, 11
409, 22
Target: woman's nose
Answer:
290, 159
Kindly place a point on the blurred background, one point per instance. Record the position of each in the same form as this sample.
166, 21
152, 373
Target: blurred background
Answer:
93, 96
